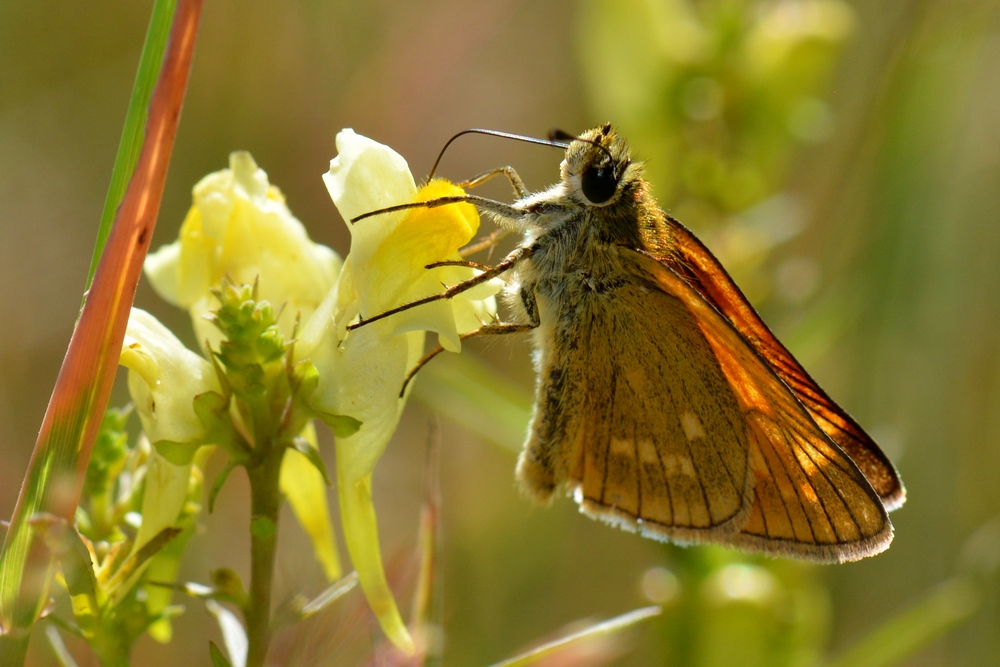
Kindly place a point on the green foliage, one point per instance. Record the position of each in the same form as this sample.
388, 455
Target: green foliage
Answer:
104, 571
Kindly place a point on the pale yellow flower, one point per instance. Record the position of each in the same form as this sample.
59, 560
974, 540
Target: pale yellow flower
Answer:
240, 225
164, 377
362, 372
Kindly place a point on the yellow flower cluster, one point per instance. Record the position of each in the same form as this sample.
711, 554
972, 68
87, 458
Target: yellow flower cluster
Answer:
240, 227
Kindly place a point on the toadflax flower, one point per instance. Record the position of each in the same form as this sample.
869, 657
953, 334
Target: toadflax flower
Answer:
240, 226
361, 372
164, 378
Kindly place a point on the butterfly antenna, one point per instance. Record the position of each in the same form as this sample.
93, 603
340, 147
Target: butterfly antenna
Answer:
563, 136
497, 133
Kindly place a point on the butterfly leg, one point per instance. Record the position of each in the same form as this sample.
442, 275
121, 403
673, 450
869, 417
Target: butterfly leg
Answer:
515, 181
496, 208
520, 191
488, 242
509, 261
485, 330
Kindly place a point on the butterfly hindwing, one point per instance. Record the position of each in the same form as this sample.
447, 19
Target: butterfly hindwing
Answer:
810, 499
702, 270
642, 425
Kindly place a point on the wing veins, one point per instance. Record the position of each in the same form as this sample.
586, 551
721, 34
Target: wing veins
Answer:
701, 484
784, 503
663, 468
607, 447
822, 505
763, 515
835, 488
791, 479
638, 472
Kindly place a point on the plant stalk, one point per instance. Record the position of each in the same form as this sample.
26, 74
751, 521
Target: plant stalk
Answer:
265, 501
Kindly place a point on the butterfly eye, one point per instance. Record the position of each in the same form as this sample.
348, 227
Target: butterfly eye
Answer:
598, 184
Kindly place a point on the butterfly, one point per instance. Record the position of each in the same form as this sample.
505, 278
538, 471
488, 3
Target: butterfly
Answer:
664, 405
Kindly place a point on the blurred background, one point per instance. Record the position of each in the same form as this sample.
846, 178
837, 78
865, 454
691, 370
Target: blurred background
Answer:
842, 157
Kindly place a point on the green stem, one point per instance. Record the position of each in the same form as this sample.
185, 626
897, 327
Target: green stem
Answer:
14, 647
111, 647
265, 501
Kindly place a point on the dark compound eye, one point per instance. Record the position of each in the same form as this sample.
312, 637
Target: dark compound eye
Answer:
598, 184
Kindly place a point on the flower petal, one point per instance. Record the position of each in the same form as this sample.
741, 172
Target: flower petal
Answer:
164, 378
303, 486
240, 225
361, 534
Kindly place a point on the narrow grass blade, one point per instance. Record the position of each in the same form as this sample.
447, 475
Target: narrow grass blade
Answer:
330, 595
944, 607
73, 418
135, 121
63, 656
565, 644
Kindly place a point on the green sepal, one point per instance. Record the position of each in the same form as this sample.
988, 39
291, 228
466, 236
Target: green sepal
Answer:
341, 425
212, 410
305, 448
228, 587
305, 378
220, 372
138, 559
177, 453
217, 483
218, 658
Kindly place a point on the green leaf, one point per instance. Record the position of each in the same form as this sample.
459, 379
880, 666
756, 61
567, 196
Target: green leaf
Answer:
341, 425
233, 635
304, 447
572, 641
217, 483
218, 660
69, 427
123, 574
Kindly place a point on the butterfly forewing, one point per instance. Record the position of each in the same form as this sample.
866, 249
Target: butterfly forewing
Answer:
810, 499
682, 470
702, 270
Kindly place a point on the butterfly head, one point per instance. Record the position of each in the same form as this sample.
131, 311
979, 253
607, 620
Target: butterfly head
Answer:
598, 167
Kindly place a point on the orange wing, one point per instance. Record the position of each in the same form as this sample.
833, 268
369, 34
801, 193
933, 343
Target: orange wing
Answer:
810, 498
634, 413
696, 264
